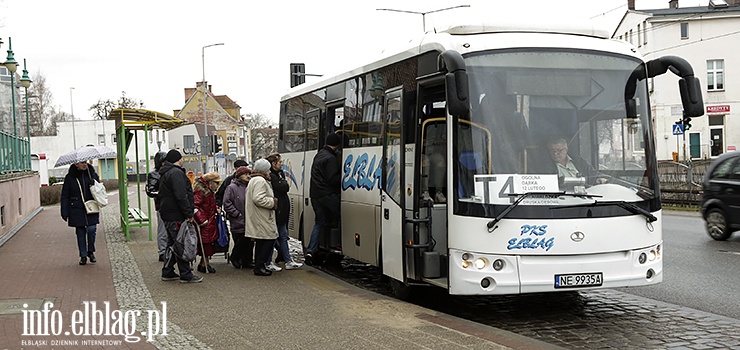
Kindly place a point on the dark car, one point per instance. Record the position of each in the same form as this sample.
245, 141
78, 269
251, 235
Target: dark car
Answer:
720, 204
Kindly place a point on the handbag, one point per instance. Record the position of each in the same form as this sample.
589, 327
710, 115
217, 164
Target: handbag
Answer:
223, 232
98, 191
91, 206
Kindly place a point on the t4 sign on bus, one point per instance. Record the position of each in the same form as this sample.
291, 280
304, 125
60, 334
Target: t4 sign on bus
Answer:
500, 188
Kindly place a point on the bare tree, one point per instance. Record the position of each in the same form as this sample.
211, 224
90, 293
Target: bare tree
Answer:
42, 113
102, 108
257, 121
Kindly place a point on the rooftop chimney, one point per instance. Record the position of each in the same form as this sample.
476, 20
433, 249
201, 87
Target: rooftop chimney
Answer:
673, 4
631, 5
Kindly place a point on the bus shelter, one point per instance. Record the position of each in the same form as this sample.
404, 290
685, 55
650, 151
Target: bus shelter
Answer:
130, 125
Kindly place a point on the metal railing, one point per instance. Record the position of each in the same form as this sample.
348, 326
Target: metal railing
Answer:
15, 153
681, 182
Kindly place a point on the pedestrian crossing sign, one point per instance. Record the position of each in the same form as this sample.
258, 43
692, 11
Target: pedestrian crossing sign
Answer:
677, 129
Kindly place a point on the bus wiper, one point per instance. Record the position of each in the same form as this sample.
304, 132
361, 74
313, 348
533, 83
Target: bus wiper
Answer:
492, 224
631, 207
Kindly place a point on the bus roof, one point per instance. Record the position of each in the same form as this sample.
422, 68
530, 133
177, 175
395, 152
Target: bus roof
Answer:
450, 39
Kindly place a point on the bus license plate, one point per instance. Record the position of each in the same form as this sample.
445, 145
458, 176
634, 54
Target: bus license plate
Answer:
576, 280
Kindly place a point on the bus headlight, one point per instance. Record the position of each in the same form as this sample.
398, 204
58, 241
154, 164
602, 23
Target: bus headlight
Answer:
465, 264
652, 255
466, 256
480, 263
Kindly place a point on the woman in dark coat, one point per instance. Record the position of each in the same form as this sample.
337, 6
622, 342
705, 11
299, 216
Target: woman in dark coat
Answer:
233, 205
280, 187
75, 191
204, 191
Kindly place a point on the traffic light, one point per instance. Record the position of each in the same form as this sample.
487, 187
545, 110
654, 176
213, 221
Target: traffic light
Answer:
215, 145
297, 74
686, 122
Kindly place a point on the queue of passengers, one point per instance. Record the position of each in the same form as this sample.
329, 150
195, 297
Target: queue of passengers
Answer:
254, 201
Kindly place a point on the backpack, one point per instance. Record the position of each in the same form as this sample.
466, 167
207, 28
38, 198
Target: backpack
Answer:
152, 184
186, 243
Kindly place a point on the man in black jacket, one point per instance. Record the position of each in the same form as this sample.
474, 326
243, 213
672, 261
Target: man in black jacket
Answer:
176, 205
326, 177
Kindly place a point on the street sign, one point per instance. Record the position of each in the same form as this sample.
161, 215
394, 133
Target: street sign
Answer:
677, 129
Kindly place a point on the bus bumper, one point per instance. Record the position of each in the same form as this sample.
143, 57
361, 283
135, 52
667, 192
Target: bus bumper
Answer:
492, 274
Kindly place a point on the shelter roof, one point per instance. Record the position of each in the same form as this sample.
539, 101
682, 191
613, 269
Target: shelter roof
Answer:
134, 118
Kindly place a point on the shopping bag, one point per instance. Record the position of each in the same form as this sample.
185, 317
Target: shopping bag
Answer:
98, 191
223, 231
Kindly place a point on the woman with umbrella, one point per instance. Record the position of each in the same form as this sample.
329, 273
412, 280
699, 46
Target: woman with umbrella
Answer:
75, 192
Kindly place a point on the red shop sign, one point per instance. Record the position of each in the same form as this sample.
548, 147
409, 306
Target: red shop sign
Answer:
718, 109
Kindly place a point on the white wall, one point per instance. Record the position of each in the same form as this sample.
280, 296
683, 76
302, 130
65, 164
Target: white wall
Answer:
707, 40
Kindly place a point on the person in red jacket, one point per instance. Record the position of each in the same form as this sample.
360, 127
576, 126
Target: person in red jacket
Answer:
204, 191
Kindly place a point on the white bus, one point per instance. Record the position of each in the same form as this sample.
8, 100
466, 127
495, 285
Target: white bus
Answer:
448, 174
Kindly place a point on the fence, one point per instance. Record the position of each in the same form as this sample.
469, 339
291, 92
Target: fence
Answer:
15, 153
680, 182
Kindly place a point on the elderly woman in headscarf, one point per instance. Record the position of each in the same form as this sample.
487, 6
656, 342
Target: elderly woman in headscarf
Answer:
260, 206
233, 205
204, 192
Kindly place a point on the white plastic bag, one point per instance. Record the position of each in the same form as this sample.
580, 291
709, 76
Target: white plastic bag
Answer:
98, 191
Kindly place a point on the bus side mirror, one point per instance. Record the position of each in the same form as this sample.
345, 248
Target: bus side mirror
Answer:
688, 85
691, 98
457, 93
456, 81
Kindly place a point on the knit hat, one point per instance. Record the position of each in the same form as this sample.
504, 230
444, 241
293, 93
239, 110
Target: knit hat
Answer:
333, 140
212, 176
241, 171
173, 155
239, 163
261, 166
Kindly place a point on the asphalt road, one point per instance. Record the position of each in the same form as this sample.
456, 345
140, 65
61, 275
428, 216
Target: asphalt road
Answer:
699, 272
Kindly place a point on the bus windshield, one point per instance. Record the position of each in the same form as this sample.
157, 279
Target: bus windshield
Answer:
553, 122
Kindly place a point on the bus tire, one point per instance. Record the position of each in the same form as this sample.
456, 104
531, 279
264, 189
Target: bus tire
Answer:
401, 290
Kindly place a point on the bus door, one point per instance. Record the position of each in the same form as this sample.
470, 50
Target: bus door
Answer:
392, 196
325, 124
426, 224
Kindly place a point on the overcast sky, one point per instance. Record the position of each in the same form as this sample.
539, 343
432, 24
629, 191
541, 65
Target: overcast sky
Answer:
152, 49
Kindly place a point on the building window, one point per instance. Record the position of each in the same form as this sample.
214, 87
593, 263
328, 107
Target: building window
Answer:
716, 120
113, 139
685, 30
188, 144
4, 74
101, 139
715, 75
20, 206
639, 35
2, 216
630, 37
644, 33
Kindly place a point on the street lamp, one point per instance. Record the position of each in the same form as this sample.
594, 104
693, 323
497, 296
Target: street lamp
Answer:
204, 139
12, 66
26, 82
72, 110
423, 14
